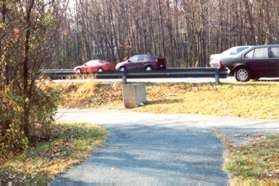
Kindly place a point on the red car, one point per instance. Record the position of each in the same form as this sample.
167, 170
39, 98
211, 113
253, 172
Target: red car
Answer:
94, 66
142, 63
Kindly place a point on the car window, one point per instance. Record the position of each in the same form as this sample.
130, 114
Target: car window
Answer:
250, 55
103, 61
141, 58
235, 50
90, 63
274, 52
133, 58
149, 58
261, 53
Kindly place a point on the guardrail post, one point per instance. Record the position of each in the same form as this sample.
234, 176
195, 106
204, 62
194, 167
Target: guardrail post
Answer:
217, 76
124, 77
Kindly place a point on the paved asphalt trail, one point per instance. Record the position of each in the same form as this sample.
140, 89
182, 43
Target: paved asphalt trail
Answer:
154, 149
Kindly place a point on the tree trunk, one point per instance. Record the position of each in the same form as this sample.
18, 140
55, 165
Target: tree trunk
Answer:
26, 68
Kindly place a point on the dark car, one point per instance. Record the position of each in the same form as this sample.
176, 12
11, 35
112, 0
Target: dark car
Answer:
253, 62
142, 63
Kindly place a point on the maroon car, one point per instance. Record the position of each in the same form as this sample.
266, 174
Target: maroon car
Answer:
142, 63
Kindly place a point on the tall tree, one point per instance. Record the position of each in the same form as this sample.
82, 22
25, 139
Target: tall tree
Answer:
186, 32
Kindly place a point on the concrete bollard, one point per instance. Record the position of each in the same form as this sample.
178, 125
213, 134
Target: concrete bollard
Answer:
134, 95
217, 76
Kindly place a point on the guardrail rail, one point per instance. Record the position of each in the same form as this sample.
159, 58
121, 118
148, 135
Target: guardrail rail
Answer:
57, 73
169, 73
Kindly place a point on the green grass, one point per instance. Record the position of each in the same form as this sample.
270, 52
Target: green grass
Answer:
254, 161
257, 160
72, 144
249, 100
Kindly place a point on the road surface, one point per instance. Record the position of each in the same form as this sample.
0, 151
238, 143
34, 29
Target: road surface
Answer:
168, 80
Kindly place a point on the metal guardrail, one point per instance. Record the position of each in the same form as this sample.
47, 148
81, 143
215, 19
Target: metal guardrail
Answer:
57, 73
169, 73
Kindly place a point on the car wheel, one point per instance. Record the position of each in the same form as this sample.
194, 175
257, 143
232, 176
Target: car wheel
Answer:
148, 69
100, 70
122, 69
242, 74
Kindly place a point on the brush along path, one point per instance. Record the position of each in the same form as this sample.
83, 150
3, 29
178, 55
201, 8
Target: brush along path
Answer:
252, 156
69, 145
258, 159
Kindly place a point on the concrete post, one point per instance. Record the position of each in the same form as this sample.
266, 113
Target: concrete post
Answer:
124, 77
134, 95
217, 76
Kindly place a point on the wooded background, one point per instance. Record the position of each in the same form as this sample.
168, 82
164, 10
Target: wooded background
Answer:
186, 32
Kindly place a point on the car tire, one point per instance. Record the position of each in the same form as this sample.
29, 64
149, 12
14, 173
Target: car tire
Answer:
122, 69
242, 74
148, 69
100, 70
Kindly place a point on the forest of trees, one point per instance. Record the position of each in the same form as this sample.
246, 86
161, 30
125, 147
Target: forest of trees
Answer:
186, 32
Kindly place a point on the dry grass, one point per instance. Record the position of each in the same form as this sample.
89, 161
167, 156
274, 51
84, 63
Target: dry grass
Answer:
71, 144
257, 160
242, 100
251, 159
88, 94
251, 100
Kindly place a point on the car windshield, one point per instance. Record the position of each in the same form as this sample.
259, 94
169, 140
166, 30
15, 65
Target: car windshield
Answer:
103, 61
149, 58
91, 63
138, 58
134, 58
235, 50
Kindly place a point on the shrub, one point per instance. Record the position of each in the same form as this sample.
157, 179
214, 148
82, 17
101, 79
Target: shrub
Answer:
42, 105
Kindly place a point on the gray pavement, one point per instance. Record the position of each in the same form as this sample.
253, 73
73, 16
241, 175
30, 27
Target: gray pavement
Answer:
156, 149
168, 80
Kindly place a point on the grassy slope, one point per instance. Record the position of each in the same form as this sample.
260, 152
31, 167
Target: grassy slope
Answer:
72, 144
256, 160
255, 100
244, 100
